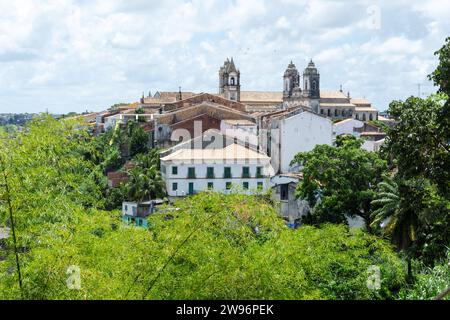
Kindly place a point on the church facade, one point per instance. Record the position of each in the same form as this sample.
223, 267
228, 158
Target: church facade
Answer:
299, 90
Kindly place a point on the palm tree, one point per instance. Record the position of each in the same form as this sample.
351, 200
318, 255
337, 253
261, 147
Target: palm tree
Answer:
397, 212
145, 184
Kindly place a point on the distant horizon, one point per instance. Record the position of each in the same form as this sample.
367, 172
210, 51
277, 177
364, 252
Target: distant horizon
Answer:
75, 55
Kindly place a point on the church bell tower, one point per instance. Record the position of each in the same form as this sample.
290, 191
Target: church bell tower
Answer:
230, 81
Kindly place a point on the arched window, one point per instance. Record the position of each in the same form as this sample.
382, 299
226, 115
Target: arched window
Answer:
335, 112
314, 85
232, 81
328, 112
364, 117
306, 85
370, 117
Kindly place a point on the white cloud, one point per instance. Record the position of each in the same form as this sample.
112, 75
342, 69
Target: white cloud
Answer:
73, 54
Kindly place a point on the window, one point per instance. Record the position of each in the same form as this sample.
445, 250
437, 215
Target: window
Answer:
245, 185
259, 185
357, 117
364, 117
174, 170
163, 169
210, 172
314, 85
370, 117
227, 173
284, 192
228, 185
259, 172
335, 112
126, 208
321, 111
232, 81
191, 173
245, 172
191, 188
174, 186
210, 186
328, 112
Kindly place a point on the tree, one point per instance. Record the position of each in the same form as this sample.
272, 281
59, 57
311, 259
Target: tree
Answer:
418, 145
139, 139
145, 181
400, 204
339, 182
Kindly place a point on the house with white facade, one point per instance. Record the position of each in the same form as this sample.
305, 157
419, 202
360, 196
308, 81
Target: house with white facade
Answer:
372, 135
214, 162
288, 132
244, 130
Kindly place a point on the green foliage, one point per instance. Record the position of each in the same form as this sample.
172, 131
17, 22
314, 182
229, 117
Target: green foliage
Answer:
339, 181
418, 144
145, 180
429, 282
214, 246
399, 205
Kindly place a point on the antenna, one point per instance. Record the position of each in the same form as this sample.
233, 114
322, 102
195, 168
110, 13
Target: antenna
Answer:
418, 89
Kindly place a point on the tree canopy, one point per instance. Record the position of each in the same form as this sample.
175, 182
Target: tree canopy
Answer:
339, 181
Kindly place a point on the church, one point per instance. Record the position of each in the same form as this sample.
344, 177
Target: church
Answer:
299, 90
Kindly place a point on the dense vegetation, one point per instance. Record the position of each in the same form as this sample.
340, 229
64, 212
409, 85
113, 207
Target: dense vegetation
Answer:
403, 192
62, 217
212, 246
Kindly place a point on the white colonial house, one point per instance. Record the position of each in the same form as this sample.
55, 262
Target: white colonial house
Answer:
292, 131
219, 167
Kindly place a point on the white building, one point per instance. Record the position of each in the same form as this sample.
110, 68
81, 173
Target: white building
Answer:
244, 130
294, 131
188, 169
347, 126
373, 137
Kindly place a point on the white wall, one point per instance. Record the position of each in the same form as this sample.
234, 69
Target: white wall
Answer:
243, 133
347, 127
300, 133
372, 145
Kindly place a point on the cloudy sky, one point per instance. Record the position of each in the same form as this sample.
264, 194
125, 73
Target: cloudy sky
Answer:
69, 55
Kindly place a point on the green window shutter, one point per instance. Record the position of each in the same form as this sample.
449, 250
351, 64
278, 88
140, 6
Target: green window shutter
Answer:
210, 185
228, 185
245, 185
174, 170
227, 173
174, 186
245, 172
210, 172
191, 173
259, 185
259, 172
